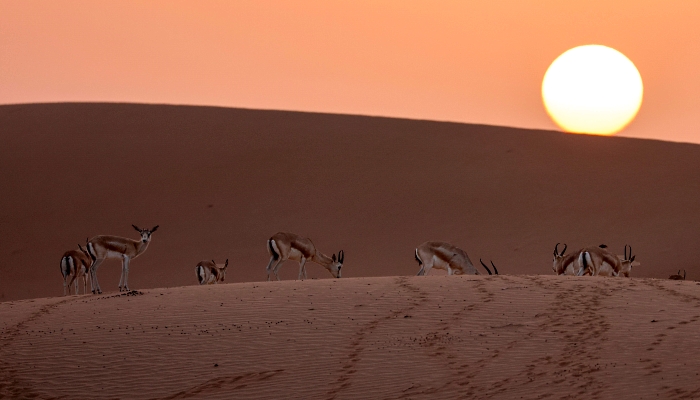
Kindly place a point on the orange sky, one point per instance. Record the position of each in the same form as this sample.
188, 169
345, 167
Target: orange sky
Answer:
466, 61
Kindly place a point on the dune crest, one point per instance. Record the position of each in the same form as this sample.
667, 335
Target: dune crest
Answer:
386, 337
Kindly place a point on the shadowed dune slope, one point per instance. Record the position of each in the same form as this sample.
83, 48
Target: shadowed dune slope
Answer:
220, 182
520, 337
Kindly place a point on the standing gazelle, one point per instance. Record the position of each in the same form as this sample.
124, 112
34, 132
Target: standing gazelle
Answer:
445, 256
598, 261
284, 246
116, 247
209, 272
75, 264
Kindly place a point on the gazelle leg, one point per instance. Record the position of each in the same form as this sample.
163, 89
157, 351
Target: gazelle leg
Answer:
65, 285
269, 267
126, 274
427, 267
94, 283
277, 266
121, 278
301, 268
450, 271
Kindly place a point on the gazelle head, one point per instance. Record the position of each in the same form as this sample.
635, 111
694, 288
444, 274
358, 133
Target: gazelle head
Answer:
627, 262
145, 233
337, 264
223, 270
558, 259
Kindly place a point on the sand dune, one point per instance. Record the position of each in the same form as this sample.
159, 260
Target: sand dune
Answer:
219, 182
526, 337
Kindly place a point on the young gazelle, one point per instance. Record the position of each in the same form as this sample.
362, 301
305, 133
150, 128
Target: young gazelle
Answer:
209, 272
284, 246
564, 265
445, 256
598, 261
101, 248
626, 263
76, 265
678, 276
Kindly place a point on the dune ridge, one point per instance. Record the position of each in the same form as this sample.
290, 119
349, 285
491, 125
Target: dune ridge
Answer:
220, 182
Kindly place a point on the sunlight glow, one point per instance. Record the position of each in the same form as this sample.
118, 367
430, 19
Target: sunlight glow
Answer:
592, 89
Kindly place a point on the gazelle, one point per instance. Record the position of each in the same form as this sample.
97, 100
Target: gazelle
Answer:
75, 264
678, 276
284, 246
103, 247
445, 256
564, 265
598, 261
209, 272
626, 263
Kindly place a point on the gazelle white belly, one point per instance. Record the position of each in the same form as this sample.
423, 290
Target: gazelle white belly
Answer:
295, 255
439, 263
606, 270
113, 254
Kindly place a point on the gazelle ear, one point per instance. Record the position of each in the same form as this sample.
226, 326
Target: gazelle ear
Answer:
137, 228
154, 228
632, 259
226, 264
333, 258
341, 256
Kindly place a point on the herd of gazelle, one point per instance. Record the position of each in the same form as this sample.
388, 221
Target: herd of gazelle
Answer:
79, 265
593, 261
76, 265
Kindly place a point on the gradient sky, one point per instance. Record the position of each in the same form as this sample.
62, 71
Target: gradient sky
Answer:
464, 61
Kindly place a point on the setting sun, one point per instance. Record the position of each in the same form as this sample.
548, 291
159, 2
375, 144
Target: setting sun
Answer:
592, 89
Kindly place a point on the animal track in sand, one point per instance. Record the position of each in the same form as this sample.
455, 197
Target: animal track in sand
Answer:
228, 383
11, 386
355, 352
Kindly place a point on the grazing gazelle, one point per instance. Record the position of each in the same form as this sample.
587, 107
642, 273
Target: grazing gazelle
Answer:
284, 246
209, 272
564, 265
103, 247
598, 261
678, 276
487, 268
626, 263
445, 256
75, 264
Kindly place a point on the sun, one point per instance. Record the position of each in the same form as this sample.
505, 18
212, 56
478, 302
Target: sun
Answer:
592, 89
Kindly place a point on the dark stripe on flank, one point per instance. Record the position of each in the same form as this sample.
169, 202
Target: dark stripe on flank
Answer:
272, 250
200, 278
65, 266
89, 249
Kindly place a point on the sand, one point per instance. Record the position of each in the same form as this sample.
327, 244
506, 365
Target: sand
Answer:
519, 337
220, 182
